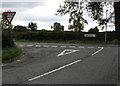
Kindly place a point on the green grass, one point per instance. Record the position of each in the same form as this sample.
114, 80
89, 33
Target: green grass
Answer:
71, 41
10, 53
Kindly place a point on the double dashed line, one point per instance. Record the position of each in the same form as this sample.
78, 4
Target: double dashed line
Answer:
55, 46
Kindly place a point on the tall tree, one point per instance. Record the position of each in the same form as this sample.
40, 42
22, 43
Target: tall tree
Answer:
117, 18
76, 21
94, 30
75, 10
32, 26
57, 27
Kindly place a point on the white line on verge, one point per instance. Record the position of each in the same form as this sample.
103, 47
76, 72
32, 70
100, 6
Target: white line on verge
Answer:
54, 70
101, 48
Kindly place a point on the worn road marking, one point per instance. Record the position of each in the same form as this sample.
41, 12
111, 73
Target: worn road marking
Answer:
46, 46
90, 47
101, 48
67, 51
37, 46
18, 60
63, 46
29, 45
81, 47
57, 69
21, 45
54, 46
72, 46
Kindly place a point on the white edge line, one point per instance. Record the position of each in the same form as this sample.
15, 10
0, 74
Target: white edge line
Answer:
101, 48
54, 70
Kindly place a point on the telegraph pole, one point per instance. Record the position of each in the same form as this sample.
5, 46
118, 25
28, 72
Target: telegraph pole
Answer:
106, 27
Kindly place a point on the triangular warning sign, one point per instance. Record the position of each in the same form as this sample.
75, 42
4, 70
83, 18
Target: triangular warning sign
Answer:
67, 51
9, 16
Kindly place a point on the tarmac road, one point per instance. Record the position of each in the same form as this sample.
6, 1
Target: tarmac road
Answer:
52, 63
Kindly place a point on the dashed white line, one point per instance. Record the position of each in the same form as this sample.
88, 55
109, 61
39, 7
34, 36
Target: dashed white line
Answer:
63, 46
101, 48
90, 47
18, 60
81, 47
72, 46
54, 46
29, 45
21, 45
54, 70
46, 46
37, 45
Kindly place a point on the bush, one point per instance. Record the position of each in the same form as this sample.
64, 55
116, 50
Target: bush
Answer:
7, 39
9, 53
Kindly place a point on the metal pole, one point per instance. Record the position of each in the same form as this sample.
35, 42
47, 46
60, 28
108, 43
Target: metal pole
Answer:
106, 28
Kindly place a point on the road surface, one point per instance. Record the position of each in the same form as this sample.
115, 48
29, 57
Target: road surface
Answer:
52, 63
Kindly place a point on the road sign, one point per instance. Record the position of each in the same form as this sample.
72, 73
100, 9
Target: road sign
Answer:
89, 35
9, 16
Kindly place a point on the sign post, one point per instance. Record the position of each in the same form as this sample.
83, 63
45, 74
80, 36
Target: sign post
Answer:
9, 17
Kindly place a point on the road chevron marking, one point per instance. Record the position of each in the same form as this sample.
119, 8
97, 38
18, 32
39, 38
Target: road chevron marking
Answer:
67, 51
57, 69
101, 48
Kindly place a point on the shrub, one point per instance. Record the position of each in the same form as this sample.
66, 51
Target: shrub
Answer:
7, 39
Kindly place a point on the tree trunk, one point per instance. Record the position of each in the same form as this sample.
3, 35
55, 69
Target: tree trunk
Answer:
117, 19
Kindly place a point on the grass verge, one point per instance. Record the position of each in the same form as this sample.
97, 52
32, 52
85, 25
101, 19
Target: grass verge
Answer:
9, 54
71, 41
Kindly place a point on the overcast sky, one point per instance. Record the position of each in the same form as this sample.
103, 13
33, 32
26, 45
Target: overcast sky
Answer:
42, 13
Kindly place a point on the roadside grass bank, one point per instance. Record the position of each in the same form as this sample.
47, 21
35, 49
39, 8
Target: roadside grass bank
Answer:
9, 54
70, 41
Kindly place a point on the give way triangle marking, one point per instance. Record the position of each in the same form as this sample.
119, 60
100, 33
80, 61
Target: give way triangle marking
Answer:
67, 51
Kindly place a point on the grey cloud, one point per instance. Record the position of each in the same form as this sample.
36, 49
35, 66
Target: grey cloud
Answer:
43, 19
21, 4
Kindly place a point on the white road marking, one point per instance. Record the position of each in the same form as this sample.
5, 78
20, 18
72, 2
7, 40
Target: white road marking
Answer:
46, 46
54, 46
21, 45
37, 45
90, 47
63, 46
67, 51
101, 48
72, 46
18, 60
81, 47
57, 69
29, 45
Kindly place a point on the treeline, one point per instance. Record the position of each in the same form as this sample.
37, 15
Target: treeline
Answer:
60, 35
